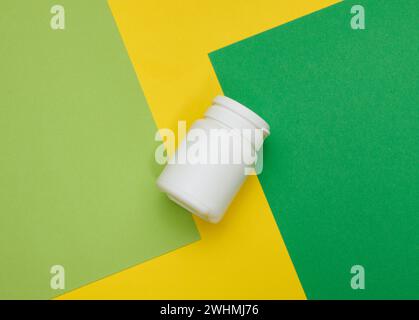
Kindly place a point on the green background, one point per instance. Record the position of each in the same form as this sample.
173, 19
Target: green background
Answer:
341, 165
77, 168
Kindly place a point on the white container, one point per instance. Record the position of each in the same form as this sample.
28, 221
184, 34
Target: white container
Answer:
206, 188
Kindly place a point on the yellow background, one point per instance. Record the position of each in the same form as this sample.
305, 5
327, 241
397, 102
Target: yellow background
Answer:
243, 257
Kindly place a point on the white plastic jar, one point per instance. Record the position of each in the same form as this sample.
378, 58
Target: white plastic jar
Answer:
205, 182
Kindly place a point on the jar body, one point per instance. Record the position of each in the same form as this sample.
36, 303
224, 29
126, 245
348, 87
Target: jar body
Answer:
205, 189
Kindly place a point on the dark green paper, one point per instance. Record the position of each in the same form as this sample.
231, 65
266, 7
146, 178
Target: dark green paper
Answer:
341, 168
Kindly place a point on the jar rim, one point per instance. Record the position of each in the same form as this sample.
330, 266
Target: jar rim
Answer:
243, 111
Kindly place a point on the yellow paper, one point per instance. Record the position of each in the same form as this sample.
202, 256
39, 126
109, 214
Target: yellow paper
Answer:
243, 257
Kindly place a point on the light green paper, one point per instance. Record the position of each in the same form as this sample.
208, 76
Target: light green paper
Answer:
77, 168
341, 167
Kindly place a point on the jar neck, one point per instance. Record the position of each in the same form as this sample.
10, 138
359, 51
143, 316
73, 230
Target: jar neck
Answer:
250, 126
235, 115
